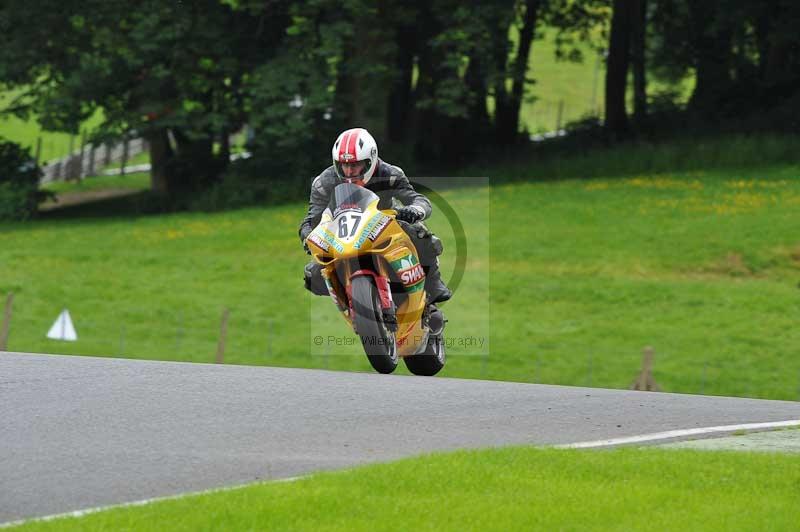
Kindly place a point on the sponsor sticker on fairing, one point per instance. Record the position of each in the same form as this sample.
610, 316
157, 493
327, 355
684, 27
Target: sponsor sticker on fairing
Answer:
379, 227
410, 272
372, 229
346, 207
317, 241
412, 275
333, 241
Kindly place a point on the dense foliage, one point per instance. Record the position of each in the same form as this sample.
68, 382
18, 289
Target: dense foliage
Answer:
441, 79
19, 182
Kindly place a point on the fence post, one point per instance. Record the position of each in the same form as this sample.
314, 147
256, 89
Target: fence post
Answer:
703, 377
559, 115
269, 338
38, 154
122, 339
80, 157
593, 105
125, 148
223, 333
589, 370
6, 322
645, 379
179, 332
92, 149
107, 154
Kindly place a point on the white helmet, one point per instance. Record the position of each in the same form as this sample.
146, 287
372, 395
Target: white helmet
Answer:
352, 146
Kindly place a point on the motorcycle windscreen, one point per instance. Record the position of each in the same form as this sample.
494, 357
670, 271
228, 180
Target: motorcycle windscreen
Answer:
348, 196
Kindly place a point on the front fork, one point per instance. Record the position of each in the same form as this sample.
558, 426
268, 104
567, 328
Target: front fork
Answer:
381, 278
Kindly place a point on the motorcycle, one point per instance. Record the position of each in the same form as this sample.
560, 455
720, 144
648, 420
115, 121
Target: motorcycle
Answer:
372, 271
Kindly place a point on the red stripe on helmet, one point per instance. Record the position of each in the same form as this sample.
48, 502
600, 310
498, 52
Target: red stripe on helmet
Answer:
351, 145
343, 144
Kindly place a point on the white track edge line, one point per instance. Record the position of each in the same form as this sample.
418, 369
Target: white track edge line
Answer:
579, 445
678, 434
143, 502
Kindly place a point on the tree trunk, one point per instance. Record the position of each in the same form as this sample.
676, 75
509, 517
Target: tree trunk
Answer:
712, 43
638, 46
475, 79
401, 102
193, 166
427, 130
361, 89
617, 70
501, 96
225, 147
160, 155
520, 68
348, 103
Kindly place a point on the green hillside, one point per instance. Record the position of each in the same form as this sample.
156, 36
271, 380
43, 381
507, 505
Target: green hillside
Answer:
566, 281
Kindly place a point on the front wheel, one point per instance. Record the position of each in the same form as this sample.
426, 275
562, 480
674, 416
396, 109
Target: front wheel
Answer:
377, 340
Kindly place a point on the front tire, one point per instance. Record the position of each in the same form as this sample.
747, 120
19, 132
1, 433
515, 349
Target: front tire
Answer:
378, 342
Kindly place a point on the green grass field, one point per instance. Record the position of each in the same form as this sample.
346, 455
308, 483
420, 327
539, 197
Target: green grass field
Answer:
508, 489
573, 89
567, 281
26, 132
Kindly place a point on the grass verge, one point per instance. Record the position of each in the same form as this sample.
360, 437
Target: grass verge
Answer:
507, 489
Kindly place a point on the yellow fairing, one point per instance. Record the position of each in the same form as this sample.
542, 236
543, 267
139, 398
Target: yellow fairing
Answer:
348, 234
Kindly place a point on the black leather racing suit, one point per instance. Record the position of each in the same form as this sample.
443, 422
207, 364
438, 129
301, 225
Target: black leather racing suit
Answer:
387, 182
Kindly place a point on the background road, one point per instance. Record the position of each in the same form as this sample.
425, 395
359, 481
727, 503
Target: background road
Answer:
78, 432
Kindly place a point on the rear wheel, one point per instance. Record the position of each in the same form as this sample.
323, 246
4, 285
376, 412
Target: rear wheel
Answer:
377, 340
430, 361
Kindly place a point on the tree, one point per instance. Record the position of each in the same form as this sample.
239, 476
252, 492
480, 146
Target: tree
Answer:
19, 182
638, 58
617, 69
743, 54
173, 72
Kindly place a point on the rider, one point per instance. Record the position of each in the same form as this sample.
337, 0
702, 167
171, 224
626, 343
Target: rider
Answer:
355, 160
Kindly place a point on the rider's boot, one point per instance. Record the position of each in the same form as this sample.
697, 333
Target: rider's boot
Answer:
436, 320
434, 286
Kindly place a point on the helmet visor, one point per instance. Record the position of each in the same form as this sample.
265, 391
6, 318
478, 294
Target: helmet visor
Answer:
355, 169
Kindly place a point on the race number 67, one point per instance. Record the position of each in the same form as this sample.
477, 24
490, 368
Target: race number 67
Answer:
343, 233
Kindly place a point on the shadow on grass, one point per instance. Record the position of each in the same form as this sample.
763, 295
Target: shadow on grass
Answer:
133, 204
571, 157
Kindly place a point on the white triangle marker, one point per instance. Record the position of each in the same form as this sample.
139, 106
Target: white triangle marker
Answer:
63, 329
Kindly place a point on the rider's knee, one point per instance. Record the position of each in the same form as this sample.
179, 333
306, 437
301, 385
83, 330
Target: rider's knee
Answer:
313, 281
428, 245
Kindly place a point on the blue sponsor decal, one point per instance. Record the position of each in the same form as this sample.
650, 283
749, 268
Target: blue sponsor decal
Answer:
372, 229
333, 241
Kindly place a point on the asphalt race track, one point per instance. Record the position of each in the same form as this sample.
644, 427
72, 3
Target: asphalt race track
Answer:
80, 432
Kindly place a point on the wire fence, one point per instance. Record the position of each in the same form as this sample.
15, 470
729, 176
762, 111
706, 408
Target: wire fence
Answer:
84, 159
240, 336
89, 158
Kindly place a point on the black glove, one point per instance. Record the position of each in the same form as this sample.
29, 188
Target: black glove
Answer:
410, 214
303, 236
